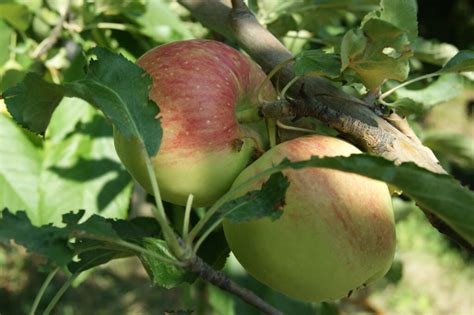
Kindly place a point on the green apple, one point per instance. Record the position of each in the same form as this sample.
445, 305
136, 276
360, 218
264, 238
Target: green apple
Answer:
336, 233
201, 87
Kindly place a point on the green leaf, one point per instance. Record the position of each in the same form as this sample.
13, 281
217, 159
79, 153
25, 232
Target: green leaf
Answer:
15, 14
439, 194
10, 78
46, 178
122, 94
377, 52
112, 83
406, 106
33, 101
162, 24
433, 52
457, 147
401, 13
94, 241
256, 204
395, 273
282, 25
445, 88
5, 35
317, 62
20, 165
93, 252
163, 274
47, 240
463, 61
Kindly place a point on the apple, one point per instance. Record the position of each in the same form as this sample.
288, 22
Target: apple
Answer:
201, 87
336, 233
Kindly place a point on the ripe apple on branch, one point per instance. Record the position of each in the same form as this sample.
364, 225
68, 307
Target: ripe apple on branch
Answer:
337, 230
201, 87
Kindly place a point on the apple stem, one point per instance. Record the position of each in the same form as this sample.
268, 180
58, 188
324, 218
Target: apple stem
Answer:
187, 214
271, 129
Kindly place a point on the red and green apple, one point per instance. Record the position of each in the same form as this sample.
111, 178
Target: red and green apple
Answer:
201, 87
336, 233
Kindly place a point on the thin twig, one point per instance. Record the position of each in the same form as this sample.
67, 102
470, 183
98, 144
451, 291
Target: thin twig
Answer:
49, 41
220, 280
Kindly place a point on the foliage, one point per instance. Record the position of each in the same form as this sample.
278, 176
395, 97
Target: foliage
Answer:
63, 159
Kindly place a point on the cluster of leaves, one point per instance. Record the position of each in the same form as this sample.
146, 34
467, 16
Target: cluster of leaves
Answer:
369, 45
74, 165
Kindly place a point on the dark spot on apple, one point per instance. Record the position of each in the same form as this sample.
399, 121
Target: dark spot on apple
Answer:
349, 293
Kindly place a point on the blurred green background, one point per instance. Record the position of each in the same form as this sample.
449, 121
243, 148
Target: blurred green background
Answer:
430, 275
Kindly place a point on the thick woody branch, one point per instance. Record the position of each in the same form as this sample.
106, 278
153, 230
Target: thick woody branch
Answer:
220, 280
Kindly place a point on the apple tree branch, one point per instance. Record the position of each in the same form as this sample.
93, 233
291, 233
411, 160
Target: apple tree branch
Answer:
389, 137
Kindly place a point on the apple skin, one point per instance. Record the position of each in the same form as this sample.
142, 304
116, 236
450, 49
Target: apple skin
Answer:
200, 86
336, 232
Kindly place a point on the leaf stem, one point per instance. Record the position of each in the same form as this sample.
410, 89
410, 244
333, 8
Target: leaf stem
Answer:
270, 76
131, 246
215, 207
389, 92
187, 215
205, 235
288, 85
42, 290
159, 211
60, 293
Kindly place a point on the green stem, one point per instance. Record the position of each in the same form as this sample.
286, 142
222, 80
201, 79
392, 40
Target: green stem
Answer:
292, 128
269, 77
130, 246
205, 235
389, 92
60, 293
159, 211
288, 85
215, 207
187, 215
42, 290
271, 129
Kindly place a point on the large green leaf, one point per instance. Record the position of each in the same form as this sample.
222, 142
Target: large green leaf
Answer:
20, 167
46, 178
97, 240
439, 194
112, 83
47, 240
